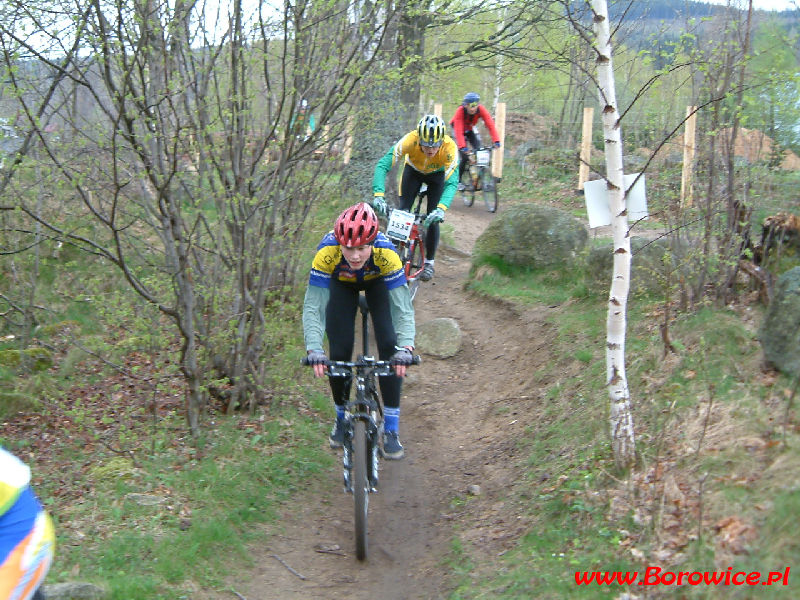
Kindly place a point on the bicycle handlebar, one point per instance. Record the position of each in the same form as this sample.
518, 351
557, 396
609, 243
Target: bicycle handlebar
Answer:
342, 368
472, 151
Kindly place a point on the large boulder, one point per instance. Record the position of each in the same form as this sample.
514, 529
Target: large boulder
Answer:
528, 235
780, 331
648, 266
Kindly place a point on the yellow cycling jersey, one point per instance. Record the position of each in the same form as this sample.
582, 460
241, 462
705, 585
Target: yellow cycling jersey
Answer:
445, 159
329, 263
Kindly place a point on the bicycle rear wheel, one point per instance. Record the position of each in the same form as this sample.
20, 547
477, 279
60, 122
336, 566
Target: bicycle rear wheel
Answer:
490, 192
360, 487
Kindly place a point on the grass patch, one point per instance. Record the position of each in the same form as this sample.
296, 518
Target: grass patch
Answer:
714, 436
156, 526
493, 277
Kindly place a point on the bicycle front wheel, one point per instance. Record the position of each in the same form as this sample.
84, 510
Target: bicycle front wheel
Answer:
416, 261
360, 487
469, 193
490, 192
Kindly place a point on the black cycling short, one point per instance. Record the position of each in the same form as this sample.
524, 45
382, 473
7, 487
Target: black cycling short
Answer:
409, 188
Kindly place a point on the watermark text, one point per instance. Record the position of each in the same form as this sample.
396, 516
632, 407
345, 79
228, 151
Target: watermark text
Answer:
658, 576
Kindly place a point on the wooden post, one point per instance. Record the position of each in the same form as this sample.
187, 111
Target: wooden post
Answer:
586, 147
321, 150
497, 155
437, 109
689, 148
348, 139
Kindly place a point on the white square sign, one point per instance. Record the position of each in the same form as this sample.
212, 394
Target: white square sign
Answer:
596, 195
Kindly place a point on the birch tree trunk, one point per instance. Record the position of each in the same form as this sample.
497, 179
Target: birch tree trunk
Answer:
622, 434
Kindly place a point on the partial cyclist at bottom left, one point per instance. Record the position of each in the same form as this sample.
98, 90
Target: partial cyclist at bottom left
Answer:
27, 539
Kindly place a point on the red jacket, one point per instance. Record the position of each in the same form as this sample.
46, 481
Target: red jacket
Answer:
462, 121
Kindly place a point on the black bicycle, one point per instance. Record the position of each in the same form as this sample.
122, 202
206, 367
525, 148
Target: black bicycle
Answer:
407, 232
481, 179
363, 427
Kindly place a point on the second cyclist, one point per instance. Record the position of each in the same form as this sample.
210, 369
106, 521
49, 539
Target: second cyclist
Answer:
430, 156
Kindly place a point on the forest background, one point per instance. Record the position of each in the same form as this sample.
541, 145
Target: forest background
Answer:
158, 210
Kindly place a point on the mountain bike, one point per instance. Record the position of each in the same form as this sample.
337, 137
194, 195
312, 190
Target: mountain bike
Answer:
481, 179
407, 232
363, 427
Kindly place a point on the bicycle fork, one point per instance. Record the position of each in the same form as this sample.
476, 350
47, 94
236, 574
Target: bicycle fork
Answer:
374, 431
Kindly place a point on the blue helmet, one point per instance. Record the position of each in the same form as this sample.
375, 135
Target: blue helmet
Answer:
470, 98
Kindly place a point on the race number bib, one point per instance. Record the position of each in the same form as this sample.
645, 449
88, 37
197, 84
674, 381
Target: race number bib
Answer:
399, 226
482, 157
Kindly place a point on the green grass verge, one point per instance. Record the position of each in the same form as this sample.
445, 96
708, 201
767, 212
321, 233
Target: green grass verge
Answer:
155, 525
710, 394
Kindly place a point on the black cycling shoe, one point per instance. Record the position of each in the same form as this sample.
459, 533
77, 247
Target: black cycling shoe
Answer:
427, 272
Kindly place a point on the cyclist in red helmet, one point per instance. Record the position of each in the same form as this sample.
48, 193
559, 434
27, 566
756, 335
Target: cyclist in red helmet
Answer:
463, 123
356, 257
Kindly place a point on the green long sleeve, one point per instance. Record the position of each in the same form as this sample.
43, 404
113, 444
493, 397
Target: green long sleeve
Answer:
314, 305
382, 168
402, 315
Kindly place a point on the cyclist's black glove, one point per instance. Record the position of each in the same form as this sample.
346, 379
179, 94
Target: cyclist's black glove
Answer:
316, 357
402, 356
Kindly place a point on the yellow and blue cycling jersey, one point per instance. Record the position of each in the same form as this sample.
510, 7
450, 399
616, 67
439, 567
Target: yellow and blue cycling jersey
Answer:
26, 532
330, 263
408, 149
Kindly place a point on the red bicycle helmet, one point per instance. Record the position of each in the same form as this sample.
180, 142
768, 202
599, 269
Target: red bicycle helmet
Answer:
356, 226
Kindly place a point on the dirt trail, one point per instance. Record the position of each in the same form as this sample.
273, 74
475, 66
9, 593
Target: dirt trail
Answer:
454, 435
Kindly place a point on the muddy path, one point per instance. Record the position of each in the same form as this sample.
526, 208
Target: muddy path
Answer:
455, 436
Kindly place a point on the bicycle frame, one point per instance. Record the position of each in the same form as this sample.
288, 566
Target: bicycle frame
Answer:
363, 427
481, 178
366, 406
480, 165
407, 232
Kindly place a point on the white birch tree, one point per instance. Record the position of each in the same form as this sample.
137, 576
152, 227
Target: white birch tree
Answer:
622, 432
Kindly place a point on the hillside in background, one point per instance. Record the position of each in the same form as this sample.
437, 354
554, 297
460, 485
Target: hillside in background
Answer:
679, 9
647, 24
